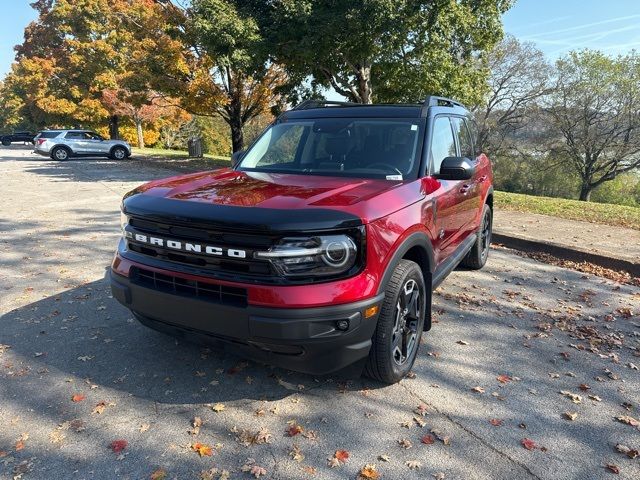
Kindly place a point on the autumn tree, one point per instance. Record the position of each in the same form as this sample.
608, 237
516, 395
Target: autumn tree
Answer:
86, 47
595, 105
386, 50
231, 75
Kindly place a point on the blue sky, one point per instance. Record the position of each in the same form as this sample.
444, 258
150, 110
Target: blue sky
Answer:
555, 26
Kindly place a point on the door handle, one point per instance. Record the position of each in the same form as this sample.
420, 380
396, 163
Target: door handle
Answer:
465, 188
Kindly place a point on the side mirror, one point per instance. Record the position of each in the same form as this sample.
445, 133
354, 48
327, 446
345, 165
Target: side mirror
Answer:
456, 168
236, 157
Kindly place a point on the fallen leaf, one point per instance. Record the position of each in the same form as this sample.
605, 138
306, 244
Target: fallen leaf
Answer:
144, 427
78, 397
629, 452
196, 423
341, 455
571, 415
421, 410
595, 398
202, 449
584, 387
574, 398
368, 472
428, 439
420, 422
478, 389
296, 453
528, 444
496, 422
404, 443
613, 468
118, 446
628, 420
218, 407
294, 429
438, 475
159, 474
99, 408
413, 464
462, 342
384, 458
504, 378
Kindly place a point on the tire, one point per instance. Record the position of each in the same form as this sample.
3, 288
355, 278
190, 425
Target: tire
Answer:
477, 256
6, 142
60, 153
118, 153
396, 341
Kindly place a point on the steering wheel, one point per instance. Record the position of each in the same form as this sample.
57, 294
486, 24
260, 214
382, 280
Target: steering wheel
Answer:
385, 165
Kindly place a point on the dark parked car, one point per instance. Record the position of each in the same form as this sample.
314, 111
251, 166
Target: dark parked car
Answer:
16, 137
321, 246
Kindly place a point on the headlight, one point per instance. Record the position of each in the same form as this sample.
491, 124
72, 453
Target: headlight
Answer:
322, 255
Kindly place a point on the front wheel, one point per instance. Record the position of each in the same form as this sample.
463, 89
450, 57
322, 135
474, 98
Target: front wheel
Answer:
477, 256
6, 142
396, 340
118, 153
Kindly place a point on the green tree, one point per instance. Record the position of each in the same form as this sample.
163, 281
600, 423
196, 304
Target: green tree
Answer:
231, 75
385, 50
595, 105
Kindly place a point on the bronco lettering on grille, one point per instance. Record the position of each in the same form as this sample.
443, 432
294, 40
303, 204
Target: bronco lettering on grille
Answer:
184, 246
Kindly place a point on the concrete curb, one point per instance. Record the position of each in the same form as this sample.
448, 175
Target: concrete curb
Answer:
566, 253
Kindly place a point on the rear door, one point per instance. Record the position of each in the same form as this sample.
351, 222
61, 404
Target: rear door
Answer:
74, 141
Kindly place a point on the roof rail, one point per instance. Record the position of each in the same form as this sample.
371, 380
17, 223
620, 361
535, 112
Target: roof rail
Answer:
323, 103
435, 101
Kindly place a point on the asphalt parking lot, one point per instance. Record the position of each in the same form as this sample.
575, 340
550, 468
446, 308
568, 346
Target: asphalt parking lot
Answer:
88, 393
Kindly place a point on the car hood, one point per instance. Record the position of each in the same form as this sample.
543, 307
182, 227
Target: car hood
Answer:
260, 191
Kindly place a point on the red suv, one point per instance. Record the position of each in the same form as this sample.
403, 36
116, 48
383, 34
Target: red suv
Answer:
321, 246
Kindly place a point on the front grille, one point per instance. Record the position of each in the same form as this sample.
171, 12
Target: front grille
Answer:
222, 266
216, 293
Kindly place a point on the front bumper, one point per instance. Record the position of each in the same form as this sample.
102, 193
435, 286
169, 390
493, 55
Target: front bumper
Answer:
301, 339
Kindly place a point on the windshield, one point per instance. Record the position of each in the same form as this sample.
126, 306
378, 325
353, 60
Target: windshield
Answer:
355, 147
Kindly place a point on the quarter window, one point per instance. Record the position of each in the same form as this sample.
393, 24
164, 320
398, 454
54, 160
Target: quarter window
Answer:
442, 144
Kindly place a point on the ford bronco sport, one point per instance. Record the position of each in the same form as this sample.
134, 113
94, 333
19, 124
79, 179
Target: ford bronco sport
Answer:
321, 246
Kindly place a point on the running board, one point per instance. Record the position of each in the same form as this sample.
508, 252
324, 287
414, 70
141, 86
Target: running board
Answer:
446, 267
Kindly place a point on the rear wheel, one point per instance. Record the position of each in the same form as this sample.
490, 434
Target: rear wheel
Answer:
118, 153
477, 256
6, 142
396, 340
60, 153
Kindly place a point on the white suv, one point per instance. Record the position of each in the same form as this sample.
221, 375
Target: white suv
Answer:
62, 144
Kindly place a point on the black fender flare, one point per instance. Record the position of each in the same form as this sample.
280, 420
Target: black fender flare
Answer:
419, 239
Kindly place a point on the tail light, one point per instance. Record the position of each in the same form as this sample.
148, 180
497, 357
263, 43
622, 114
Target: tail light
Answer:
41, 141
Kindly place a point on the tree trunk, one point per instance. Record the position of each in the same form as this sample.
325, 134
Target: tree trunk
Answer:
237, 136
114, 127
585, 192
365, 90
139, 132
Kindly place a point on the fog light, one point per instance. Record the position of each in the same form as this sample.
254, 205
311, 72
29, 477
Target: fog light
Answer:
342, 324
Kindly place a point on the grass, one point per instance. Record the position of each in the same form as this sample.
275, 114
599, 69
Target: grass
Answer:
179, 159
605, 213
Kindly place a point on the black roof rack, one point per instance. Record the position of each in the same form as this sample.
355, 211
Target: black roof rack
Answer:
435, 101
430, 101
323, 103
